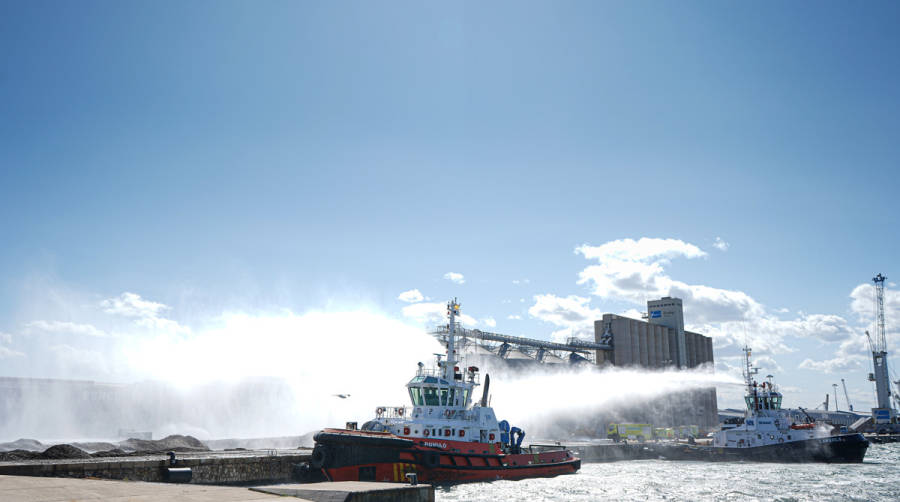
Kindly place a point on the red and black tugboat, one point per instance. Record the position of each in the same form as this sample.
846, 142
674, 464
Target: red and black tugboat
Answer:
443, 437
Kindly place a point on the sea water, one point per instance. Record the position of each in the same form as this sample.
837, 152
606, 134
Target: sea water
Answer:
877, 478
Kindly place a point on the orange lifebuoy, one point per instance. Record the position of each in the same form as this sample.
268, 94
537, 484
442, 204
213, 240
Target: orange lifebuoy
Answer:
406, 431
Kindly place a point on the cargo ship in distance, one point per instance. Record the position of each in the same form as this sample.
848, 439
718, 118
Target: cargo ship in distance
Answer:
444, 437
769, 434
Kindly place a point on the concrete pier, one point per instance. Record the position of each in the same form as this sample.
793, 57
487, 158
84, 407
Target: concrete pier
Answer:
353, 491
220, 468
33, 489
38, 489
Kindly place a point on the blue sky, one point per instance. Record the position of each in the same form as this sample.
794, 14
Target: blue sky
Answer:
216, 156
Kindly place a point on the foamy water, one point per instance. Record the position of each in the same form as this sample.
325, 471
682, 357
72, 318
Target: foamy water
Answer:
875, 479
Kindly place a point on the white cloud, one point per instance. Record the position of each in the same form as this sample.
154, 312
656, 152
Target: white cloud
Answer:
434, 313
642, 250
65, 327
145, 313
455, 277
132, 305
489, 322
766, 364
720, 244
411, 296
5, 338
635, 271
836, 365
514, 317
521, 281
571, 313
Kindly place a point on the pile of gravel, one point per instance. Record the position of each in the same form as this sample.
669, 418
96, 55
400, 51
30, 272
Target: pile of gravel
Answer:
64, 451
28, 448
91, 447
23, 444
16, 455
115, 452
175, 442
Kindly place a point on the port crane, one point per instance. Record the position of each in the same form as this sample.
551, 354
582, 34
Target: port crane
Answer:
884, 415
847, 396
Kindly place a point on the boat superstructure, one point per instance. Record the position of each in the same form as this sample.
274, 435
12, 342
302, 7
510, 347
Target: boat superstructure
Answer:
446, 435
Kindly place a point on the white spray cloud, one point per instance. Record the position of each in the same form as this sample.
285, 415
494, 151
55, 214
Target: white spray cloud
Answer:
542, 395
235, 374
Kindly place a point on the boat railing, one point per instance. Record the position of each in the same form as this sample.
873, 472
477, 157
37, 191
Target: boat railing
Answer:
392, 412
539, 448
439, 373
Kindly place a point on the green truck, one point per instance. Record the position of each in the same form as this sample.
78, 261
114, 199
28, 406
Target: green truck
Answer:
638, 432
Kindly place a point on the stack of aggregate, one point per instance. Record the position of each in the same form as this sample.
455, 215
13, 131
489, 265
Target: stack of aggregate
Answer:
29, 449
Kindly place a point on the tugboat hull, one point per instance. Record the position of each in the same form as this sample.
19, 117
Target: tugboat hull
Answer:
366, 456
847, 448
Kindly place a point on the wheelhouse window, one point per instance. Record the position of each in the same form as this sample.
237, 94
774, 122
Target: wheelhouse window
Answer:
447, 396
431, 396
415, 395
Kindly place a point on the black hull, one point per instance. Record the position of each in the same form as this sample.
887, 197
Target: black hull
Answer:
366, 456
847, 449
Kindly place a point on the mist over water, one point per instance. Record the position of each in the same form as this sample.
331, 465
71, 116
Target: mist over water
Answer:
552, 401
268, 374
239, 375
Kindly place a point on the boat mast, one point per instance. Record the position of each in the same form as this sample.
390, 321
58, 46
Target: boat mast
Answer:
748, 378
452, 311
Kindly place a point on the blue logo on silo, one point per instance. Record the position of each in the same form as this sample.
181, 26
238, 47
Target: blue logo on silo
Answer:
655, 314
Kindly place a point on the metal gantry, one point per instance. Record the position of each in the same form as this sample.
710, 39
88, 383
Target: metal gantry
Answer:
576, 349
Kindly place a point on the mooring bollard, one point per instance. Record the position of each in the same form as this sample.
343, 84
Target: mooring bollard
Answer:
412, 478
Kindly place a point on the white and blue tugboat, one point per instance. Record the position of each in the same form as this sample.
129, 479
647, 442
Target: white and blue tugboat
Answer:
769, 434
